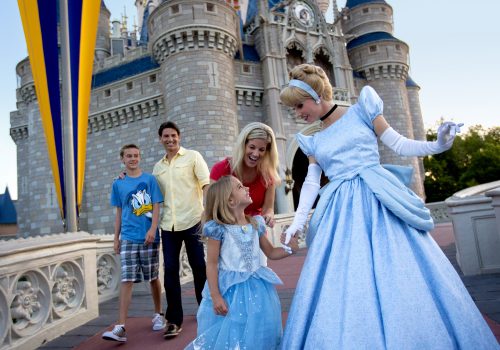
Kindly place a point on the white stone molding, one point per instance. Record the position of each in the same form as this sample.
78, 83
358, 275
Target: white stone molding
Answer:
108, 276
193, 37
47, 287
149, 107
4, 314
31, 302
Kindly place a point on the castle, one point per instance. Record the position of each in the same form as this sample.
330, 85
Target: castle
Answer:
212, 67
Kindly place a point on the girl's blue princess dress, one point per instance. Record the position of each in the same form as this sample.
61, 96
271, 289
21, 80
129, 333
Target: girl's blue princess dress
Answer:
254, 317
373, 277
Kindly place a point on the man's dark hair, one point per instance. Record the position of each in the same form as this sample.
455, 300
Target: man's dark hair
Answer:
168, 125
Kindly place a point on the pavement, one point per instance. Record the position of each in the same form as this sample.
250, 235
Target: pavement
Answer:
484, 289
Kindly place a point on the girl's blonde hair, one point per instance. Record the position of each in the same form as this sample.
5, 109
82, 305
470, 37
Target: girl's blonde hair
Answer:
268, 165
217, 203
312, 75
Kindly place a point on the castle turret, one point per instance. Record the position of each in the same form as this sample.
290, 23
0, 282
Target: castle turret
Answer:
195, 41
103, 44
381, 61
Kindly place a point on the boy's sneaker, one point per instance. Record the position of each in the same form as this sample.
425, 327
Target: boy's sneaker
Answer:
171, 331
117, 334
159, 322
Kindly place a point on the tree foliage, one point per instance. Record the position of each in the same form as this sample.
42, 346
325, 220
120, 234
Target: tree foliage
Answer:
474, 159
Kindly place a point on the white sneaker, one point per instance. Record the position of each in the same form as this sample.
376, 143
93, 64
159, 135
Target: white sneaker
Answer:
159, 322
117, 334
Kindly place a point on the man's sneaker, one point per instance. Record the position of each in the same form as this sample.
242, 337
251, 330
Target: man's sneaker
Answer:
117, 334
159, 322
171, 331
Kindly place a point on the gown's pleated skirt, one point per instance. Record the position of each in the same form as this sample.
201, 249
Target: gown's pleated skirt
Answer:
370, 281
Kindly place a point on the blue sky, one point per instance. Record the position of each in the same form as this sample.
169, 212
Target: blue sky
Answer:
454, 55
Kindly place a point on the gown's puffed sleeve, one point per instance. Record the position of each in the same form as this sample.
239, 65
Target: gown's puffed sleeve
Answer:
306, 144
261, 225
371, 105
213, 230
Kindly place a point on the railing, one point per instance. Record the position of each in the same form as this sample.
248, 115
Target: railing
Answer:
47, 287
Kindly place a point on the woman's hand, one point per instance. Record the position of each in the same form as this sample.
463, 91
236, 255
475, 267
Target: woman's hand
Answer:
269, 219
220, 307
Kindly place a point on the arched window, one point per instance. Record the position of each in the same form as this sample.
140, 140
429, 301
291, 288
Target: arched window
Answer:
322, 59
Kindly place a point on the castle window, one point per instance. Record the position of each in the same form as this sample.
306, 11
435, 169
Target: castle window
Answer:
246, 68
210, 7
373, 48
130, 85
398, 47
366, 10
382, 9
107, 93
174, 9
152, 78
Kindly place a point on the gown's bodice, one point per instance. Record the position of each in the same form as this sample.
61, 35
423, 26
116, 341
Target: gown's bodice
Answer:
347, 149
239, 256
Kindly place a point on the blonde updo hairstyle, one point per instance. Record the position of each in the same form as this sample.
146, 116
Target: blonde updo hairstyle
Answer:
268, 165
312, 75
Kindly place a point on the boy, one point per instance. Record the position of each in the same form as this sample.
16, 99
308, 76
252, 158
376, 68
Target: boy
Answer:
136, 199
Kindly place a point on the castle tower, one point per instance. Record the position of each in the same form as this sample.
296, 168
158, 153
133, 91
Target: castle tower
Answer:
381, 61
194, 42
37, 206
103, 44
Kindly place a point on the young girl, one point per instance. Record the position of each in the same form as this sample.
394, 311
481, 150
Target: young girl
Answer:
240, 307
373, 277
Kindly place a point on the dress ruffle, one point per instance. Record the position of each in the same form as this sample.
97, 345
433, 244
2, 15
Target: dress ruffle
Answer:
227, 279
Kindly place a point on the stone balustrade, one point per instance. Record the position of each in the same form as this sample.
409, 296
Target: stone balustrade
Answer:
47, 287
477, 237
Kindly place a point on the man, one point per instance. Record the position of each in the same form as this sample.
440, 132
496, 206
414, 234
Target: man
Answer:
182, 174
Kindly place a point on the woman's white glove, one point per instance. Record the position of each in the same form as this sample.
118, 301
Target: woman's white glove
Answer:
405, 147
308, 195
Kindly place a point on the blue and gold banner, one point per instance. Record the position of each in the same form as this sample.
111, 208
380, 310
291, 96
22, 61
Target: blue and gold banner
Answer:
40, 22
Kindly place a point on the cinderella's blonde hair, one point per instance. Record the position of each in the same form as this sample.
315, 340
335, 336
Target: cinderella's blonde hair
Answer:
217, 206
312, 75
268, 165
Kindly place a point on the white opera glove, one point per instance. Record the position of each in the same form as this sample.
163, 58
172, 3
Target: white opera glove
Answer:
406, 147
308, 195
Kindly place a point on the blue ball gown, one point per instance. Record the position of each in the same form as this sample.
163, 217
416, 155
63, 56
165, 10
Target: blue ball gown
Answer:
373, 277
254, 317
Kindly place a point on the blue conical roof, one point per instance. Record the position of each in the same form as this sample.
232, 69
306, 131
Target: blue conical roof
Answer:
411, 83
371, 37
8, 214
354, 3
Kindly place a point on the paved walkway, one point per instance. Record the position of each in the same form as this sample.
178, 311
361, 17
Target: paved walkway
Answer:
484, 289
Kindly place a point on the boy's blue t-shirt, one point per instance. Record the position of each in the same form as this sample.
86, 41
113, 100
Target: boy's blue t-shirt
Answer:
136, 196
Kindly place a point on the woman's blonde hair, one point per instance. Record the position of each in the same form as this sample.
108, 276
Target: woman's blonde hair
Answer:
268, 165
312, 75
217, 206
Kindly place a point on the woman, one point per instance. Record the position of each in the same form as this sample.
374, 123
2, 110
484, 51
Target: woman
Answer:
254, 163
373, 277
